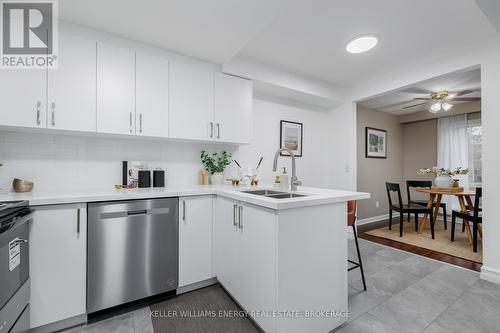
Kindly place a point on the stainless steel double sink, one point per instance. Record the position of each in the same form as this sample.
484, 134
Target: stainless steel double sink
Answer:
275, 194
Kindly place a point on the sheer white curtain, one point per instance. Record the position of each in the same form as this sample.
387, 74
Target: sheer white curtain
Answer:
453, 149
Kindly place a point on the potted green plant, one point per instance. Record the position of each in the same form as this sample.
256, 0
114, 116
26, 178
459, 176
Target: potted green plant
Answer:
215, 164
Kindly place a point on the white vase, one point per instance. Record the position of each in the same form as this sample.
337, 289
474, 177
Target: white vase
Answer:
216, 178
443, 181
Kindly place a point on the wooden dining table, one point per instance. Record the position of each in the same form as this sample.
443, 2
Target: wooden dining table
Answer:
435, 197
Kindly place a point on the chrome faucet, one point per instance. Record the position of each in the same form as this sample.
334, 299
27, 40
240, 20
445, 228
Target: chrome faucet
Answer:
294, 181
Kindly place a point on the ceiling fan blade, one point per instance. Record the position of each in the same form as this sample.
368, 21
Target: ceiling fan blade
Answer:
412, 106
416, 90
463, 92
422, 99
466, 99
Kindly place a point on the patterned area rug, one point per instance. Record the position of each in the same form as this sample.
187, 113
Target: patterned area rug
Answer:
442, 243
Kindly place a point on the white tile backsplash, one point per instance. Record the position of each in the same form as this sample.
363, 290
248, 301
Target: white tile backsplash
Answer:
62, 162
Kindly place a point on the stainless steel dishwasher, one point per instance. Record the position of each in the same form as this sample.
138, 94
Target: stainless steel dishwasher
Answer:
132, 251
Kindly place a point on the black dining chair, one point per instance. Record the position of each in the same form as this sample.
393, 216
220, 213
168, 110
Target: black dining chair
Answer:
406, 209
423, 184
475, 216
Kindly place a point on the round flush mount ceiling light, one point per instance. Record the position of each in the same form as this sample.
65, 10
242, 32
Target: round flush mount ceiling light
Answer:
361, 44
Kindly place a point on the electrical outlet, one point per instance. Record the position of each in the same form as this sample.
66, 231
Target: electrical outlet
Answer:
377, 204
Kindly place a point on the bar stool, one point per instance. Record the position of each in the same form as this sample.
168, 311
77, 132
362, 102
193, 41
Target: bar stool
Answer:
351, 221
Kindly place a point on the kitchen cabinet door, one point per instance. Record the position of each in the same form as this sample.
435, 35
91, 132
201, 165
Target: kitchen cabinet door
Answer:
72, 86
195, 239
191, 102
233, 109
225, 242
151, 116
115, 89
58, 261
257, 264
23, 98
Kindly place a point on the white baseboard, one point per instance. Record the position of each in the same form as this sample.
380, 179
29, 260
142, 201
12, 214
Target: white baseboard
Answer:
490, 274
372, 219
394, 215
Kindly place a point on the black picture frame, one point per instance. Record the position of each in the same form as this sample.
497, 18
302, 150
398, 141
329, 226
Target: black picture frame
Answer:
285, 135
377, 131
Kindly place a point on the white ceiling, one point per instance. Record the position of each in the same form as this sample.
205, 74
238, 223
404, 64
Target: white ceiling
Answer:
209, 30
394, 102
301, 36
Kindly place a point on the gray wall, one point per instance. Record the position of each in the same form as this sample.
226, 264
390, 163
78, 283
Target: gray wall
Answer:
419, 151
372, 173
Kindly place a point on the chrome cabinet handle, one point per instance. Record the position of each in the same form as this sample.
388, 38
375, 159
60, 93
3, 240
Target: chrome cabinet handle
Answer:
53, 108
140, 122
211, 130
78, 221
218, 131
184, 210
38, 106
235, 212
130, 127
240, 218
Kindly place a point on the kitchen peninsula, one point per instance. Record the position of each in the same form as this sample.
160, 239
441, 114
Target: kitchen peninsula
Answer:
283, 259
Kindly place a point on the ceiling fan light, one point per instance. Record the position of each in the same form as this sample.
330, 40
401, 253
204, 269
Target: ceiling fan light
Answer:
435, 107
447, 106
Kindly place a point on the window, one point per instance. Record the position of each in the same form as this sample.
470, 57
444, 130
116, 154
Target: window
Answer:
474, 138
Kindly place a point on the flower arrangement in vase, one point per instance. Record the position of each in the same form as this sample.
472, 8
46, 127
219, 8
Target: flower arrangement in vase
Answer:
444, 176
215, 165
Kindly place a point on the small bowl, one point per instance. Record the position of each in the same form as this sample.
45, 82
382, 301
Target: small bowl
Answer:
21, 185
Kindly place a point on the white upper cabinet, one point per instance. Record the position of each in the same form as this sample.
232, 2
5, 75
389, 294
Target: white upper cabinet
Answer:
23, 98
115, 89
191, 102
233, 109
151, 116
72, 86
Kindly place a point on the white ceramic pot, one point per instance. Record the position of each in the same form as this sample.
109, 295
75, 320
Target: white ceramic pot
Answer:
216, 178
443, 181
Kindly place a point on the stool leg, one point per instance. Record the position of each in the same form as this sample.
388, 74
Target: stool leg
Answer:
359, 256
416, 221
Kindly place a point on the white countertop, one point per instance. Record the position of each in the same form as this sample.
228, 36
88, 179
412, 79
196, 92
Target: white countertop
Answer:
314, 196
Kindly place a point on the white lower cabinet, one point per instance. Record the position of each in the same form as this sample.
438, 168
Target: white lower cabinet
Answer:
245, 256
58, 261
195, 239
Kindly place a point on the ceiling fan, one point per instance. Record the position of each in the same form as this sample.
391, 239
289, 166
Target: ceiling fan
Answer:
442, 100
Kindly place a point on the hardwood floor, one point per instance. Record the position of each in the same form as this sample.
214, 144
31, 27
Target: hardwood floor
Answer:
362, 229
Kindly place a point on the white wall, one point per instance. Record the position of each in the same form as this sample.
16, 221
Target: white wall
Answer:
62, 162
312, 167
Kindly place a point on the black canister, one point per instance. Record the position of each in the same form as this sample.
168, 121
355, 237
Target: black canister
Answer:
144, 178
158, 178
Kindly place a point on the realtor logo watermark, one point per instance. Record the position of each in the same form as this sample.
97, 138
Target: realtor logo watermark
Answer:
29, 34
